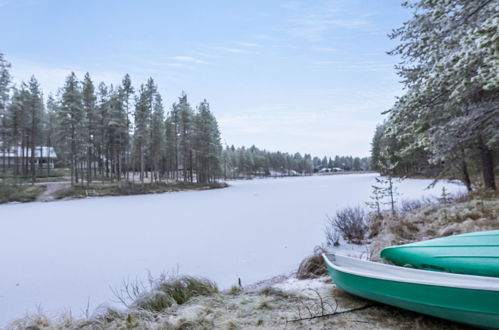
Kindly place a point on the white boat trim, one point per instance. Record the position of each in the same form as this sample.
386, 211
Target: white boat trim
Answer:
385, 272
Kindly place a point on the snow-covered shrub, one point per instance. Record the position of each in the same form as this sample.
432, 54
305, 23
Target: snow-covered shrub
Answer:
332, 236
351, 222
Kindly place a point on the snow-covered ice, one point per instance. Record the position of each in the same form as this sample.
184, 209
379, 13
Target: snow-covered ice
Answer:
62, 255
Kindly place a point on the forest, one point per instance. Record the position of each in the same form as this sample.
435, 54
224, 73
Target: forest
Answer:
446, 124
119, 133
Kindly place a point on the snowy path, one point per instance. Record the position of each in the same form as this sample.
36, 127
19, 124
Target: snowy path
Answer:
52, 189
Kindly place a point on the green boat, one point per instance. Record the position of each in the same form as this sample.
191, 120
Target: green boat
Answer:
468, 299
473, 254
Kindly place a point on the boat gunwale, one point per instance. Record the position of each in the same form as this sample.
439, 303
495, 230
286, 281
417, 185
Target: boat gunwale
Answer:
446, 278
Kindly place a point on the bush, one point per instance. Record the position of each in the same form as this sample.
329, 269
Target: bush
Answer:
332, 236
351, 223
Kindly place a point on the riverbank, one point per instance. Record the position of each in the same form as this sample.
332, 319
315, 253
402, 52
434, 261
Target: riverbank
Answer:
286, 301
57, 186
291, 304
125, 189
50, 191
22, 194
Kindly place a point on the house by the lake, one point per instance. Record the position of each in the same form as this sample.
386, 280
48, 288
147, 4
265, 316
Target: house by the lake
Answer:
45, 157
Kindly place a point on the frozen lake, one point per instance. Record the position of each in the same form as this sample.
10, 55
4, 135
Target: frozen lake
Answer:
60, 255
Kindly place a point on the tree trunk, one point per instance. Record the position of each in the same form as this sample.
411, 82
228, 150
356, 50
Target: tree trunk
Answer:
141, 163
466, 176
89, 162
487, 159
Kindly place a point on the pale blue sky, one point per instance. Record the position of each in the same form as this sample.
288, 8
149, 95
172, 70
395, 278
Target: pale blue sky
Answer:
309, 76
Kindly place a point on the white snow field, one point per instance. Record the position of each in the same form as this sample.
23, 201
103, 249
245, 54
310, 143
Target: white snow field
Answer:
59, 256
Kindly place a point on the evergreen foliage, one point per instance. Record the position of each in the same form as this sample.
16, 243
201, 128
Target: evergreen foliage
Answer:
449, 114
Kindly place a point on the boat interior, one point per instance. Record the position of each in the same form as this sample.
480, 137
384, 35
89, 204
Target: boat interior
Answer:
381, 271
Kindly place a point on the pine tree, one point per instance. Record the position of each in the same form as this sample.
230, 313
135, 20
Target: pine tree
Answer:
449, 66
50, 125
207, 144
142, 133
157, 138
70, 121
35, 112
186, 123
101, 140
5, 80
89, 108
127, 92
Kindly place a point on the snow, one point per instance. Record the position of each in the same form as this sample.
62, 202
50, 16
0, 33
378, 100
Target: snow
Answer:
304, 288
63, 255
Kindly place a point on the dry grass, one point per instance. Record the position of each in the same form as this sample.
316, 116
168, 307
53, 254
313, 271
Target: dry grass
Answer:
311, 267
478, 211
268, 309
124, 188
21, 193
167, 292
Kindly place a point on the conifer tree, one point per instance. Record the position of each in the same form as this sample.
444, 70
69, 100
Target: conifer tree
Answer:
5, 79
157, 138
89, 108
142, 118
35, 114
50, 126
70, 117
127, 91
449, 67
207, 144
186, 123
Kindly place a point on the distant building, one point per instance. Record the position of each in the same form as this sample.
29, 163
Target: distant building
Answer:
329, 170
44, 156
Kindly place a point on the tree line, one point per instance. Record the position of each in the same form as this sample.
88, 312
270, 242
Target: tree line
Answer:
447, 121
117, 133
253, 161
108, 132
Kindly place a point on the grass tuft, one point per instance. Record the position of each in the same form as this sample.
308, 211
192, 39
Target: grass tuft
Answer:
174, 291
311, 267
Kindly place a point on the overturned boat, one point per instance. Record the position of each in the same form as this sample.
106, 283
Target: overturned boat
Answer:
469, 299
472, 254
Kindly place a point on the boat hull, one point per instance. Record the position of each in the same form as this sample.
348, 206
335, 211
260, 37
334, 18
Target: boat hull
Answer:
473, 254
468, 306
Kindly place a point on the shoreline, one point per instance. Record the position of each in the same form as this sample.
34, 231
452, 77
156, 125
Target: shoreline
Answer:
52, 190
63, 191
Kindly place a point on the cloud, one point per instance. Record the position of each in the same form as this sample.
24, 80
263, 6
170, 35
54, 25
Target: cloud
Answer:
312, 22
232, 50
189, 59
354, 66
246, 44
324, 49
